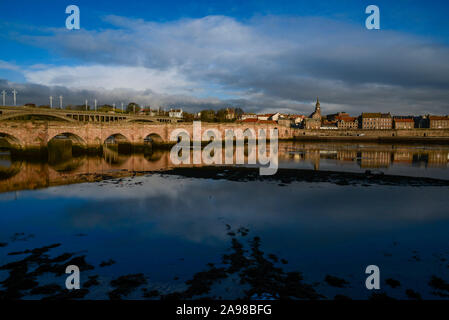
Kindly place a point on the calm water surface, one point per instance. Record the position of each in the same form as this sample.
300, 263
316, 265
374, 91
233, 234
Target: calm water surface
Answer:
169, 228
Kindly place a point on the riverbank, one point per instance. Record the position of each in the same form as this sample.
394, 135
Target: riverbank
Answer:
393, 139
423, 136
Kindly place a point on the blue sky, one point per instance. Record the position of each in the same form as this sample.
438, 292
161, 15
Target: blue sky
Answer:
260, 55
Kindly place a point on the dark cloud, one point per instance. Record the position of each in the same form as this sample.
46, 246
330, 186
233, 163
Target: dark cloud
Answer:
39, 94
262, 64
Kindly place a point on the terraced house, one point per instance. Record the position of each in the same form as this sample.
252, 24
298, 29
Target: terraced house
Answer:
377, 121
347, 122
439, 122
404, 123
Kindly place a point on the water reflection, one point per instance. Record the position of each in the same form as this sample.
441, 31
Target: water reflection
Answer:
65, 164
8, 167
355, 156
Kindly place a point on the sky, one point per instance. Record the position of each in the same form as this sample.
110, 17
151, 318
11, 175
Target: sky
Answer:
261, 56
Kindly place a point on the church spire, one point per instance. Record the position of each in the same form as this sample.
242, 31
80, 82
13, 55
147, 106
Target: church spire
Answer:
317, 113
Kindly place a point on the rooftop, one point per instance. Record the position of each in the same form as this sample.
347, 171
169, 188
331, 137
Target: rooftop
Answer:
404, 120
375, 115
439, 117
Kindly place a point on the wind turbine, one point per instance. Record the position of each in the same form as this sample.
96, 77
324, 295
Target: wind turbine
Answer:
3, 93
51, 102
60, 102
95, 103
14, 92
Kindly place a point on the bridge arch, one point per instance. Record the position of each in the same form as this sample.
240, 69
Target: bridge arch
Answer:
9, 141
139, 120
249, 134
76, 139
116, 138
12, 115
153, 138
118, 143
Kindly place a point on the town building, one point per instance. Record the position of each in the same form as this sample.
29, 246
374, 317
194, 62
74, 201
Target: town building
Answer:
175, 113
403, 123
347, 122
286, 122
230, 114
269, 116
328, 125
377, 121
314, 120
337, 116
438, 122
297, 119
245, 116
421, 121
249, 120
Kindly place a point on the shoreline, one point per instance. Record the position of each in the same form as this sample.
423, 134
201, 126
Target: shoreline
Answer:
286, 176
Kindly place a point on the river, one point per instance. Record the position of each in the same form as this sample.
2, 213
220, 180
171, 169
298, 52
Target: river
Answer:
139, 232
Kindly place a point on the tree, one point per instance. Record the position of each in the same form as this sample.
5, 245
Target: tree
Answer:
208, 115
105, 108
238, 112
80, 107
188, 117
132, 107
221, 115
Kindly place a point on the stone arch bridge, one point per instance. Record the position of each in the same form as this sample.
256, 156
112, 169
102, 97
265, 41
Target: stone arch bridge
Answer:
11, 113
37, 134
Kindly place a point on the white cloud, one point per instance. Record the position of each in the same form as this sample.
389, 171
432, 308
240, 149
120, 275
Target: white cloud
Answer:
8, 66
112, 77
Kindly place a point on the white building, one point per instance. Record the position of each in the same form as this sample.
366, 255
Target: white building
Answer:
269, 116
175, 113
245, 116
